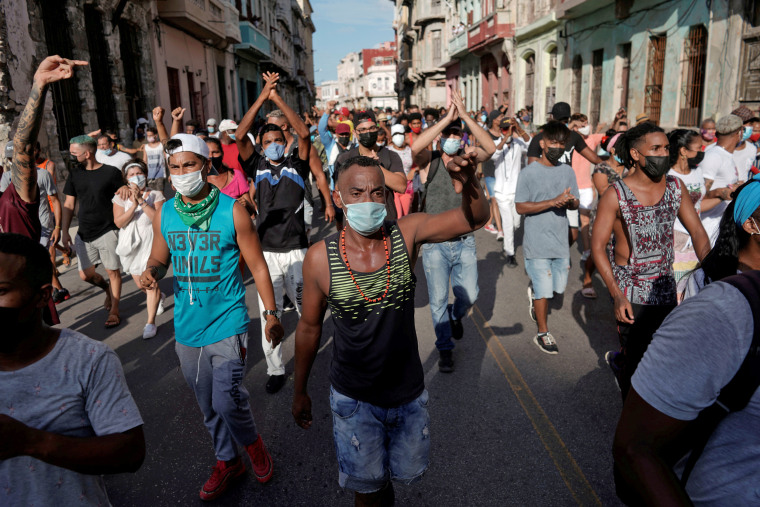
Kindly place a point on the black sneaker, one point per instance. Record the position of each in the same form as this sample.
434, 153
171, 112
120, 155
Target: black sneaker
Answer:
611, 358
457, 330
59, 296
287, 304
275, 383
531, 308
511, 261
446, 361
546, 342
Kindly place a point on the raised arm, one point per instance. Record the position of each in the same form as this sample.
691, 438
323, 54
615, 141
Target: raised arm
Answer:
324, 133
427, 137
177, 115
486, 147
245, 147
309, 331
23, 169
158, 118
295, 121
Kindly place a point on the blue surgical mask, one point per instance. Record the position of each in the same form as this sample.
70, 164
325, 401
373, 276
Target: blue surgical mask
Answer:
232, 136
366, 218
483, 118
274, 151
105, 153
450, 145
747, 133
618, 160
210, 129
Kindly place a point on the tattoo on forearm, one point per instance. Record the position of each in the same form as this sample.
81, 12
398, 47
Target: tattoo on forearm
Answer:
23, 174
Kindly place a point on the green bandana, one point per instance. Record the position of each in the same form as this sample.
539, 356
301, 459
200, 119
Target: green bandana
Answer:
198, 215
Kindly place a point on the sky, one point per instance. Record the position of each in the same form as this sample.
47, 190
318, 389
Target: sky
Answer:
344, 26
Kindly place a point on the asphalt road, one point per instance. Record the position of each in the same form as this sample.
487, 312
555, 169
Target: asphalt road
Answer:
511, 426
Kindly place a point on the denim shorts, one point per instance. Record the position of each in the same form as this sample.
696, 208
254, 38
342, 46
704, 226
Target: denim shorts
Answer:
548, 276
490, 184
375, 445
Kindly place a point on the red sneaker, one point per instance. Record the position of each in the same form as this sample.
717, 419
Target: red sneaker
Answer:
261, 460
222, 475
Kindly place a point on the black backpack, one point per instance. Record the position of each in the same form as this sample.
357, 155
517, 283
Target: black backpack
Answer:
734, 397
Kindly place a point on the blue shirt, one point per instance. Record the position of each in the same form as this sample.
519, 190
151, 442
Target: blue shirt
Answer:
209, 295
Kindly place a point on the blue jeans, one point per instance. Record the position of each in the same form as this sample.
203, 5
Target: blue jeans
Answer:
549, 276
375, 445
454, 261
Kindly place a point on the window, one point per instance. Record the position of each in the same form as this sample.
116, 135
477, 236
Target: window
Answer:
577, 82
131, 60
222, 90
530, 75
693, 76
437, 56
99, 68
625, 78
175, 99
655, 72
597, 58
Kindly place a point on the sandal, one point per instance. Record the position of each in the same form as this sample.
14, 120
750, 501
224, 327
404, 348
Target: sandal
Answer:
588, 293
67, 257
113, 320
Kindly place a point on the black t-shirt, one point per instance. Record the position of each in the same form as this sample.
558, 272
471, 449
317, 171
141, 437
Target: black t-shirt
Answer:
574, 143
94, 191
389, 160
489, 166
279, 196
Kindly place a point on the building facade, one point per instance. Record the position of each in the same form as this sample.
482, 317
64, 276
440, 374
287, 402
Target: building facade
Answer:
326, 92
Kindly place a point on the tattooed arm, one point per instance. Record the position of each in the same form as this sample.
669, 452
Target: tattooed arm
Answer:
23, 169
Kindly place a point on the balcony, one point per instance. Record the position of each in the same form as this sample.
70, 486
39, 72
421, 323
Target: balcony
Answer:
426, 13
203, 18
298, 42
231, 25
491, 30
458, 45
253, 42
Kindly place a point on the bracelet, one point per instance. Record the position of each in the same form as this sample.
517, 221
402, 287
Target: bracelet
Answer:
56, 227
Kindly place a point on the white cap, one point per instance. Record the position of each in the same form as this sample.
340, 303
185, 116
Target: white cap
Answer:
211, 121
227, 125
397, 129
191, 143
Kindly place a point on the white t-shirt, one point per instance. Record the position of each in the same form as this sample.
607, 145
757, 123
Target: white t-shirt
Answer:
744, 159
695, 185
118, 160
719, 166
156, 161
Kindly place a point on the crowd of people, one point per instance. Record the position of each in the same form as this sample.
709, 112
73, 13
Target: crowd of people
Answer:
670, 221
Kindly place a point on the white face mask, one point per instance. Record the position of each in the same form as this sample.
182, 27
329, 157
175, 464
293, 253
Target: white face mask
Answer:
398, 140
138, 180
188, 184
585, 131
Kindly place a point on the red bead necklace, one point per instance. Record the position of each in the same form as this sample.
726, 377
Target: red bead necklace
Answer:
387, 263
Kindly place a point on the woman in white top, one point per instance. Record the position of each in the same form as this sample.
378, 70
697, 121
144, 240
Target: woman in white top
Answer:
404, 151
134, 218
685, 155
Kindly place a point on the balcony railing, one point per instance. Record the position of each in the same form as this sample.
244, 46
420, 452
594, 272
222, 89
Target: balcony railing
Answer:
254, 40
458, 44
204, 18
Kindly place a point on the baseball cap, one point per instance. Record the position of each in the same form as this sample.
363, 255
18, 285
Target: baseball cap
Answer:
728, 124
344, 111
744, 113
382, 117
342, 128
9, 149
187, 142
397, 129
505, 123
561, 110
227, 125
211, 121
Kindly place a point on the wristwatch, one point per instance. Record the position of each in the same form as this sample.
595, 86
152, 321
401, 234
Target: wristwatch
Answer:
276, 314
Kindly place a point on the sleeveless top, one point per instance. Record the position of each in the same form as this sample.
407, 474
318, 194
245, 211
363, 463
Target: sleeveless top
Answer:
648, 277
156, 161
209, 295
375, 356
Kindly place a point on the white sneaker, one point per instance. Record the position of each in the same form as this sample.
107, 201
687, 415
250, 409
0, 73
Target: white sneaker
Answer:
149, 331
499, 236
160, 306
585, 255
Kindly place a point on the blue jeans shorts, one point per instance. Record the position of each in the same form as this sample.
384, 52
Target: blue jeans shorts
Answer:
490, 184
548, 276
375, 445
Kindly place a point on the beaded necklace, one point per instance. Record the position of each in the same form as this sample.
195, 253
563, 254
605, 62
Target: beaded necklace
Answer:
387, 263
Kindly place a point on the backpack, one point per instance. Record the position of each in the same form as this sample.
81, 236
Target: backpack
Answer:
734, 397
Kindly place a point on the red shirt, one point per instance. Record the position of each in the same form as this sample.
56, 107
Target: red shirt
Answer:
231, 155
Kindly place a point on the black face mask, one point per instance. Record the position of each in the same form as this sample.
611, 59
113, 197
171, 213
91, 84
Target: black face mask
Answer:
16, 325
343, 141
656, 167
695, 161
368, 139
554, 154
216, 163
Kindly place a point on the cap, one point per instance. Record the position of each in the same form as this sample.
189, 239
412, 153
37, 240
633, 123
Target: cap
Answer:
9, 149
728, 124
641, 118
211, 121
744, 113
342, 128
561, 110
344, 111
188, 142
493, 115
505, 123
227, 125
397, 129
382, 117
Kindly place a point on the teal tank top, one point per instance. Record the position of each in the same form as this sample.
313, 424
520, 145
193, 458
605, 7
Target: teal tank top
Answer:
209, 295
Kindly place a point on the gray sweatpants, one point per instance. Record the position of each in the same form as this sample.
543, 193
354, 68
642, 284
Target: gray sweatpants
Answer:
215, 373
